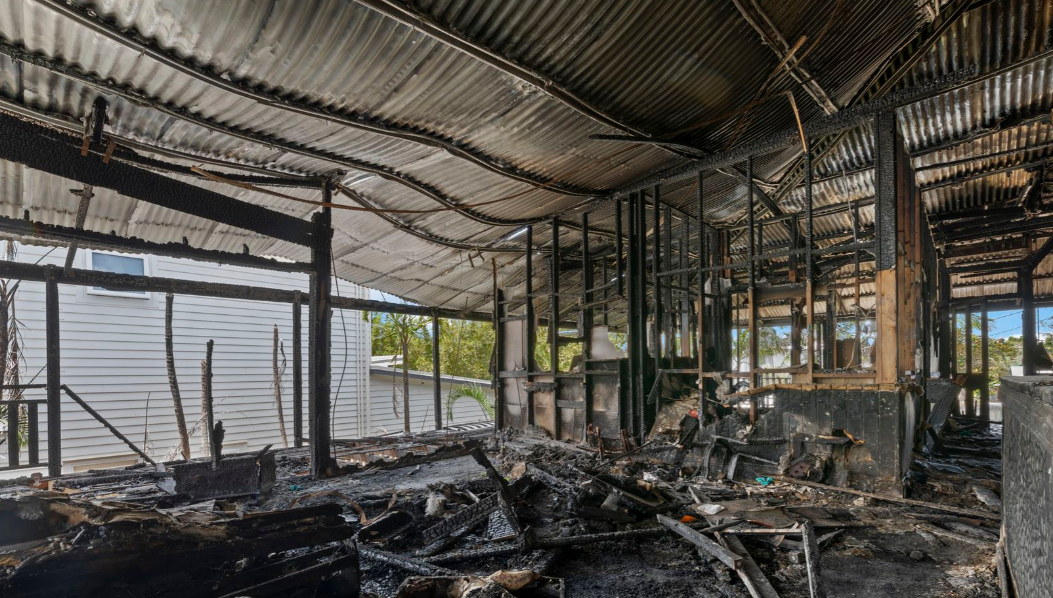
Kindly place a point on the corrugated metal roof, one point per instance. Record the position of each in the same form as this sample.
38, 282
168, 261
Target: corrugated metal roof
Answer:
658, 67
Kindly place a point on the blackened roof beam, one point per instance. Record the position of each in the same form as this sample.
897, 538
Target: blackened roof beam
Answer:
55, 153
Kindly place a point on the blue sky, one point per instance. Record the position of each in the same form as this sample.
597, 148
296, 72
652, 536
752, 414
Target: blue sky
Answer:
1007, 323
382, 296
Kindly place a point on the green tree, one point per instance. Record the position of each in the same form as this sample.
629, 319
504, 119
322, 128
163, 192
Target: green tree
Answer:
1002, 354
769, 343
542, 351
471, 391
465, 348
977, 329
402, 332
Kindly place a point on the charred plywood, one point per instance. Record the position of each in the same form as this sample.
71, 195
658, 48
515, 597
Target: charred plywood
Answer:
1027, 482
235, 475
609, 411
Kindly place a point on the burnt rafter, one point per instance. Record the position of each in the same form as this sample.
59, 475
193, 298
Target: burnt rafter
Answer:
365, 122
262, 176
63, 234
774, 39
822, 126
880, 83
49, 151
983, 173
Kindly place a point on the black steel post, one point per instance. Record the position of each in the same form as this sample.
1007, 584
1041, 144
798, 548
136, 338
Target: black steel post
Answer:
1025, 282
954, 341
831, 330
703, 261
858, 351
666, 261
297, 365
587, 282
321, 316
553, 327
54, 376
945, 338
618, 248
499, 359
633, 339
435, 373
985, 388
656, 282
751, 268
638, 315
12, 424
531, 330
605, 274
970, 408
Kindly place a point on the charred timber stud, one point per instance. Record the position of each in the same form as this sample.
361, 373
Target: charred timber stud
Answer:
811, 560
506, 493
695, 537
458, 556
405, 563
528, 541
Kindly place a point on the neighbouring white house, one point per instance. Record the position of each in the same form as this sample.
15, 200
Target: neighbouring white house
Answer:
113, 356
385, 391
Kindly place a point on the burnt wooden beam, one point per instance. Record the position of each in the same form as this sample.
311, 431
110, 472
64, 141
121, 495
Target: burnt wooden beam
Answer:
85, 195
54, 371
958, 180
297, 341
76, 236
436, 373
774, 39
58, 154
319, 342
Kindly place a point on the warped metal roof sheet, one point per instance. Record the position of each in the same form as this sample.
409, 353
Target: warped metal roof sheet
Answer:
436, 122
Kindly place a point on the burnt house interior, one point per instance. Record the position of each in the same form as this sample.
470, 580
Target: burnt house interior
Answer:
653, 186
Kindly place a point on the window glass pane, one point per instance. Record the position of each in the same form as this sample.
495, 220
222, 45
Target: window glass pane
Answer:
121, 264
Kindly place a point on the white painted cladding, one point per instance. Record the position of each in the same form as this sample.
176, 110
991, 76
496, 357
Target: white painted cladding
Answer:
112, 355
382, 387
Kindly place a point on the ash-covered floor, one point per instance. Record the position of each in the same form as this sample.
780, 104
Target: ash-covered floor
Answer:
447, 519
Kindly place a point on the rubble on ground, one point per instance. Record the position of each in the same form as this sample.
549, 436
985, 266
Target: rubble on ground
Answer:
510, 514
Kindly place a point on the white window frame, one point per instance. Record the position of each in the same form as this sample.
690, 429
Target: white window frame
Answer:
147, 271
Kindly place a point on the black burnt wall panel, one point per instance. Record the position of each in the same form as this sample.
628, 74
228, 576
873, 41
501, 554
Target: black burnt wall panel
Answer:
878, 419
1027, 482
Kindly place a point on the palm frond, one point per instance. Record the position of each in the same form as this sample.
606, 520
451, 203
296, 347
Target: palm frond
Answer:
471, 391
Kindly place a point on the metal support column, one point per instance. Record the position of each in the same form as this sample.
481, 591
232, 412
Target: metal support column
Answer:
809, 274
319, 336
553, 329
970, 409
945, 338
587, 297
435, 371
1027, 319
658, 325
531, 329
297, 341
985, 389
54, 377
751, 269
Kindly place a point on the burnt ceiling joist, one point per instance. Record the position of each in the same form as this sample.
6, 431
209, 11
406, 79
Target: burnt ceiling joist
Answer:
774, 39
58, 154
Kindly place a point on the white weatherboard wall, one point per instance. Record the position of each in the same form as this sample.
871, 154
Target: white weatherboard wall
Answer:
112, 355
385, 382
